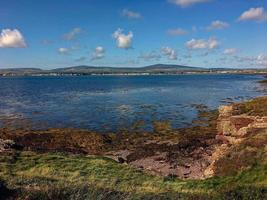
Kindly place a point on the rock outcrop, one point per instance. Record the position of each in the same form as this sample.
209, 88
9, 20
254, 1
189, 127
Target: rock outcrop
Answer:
233, 129
239, 133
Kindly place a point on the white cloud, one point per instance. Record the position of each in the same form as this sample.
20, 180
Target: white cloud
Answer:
98, 53
254, 14
131, 14
150, 56
186, 3
11, 39
211, 43
230, 51
72, 34
256, 61
177, 31
63, 50
217, 25
123, 41
261, 60
169, 52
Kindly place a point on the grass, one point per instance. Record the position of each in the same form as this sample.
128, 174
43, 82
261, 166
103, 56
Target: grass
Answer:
63, 176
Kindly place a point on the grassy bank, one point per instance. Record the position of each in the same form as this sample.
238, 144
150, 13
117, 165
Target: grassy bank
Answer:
62, 176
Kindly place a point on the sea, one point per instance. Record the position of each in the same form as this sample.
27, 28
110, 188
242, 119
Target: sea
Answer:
113, 103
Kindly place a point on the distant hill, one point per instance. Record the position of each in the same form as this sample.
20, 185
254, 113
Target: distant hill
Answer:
151, 68
171, 67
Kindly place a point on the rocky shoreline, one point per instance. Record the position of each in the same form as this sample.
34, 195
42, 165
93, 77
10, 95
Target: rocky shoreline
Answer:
188, 153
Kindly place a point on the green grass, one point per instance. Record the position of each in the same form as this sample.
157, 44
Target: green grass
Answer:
61, 176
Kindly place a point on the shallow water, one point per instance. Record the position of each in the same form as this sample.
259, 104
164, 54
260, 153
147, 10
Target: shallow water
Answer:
111, 103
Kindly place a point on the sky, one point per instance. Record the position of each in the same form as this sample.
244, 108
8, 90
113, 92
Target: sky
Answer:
133, 33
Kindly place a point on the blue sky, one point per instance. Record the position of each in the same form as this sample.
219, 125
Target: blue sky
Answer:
204, 33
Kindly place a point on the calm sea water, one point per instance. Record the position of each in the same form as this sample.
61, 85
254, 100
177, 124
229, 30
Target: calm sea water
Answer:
110, 103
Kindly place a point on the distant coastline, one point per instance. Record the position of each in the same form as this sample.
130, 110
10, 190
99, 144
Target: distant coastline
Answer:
158, 69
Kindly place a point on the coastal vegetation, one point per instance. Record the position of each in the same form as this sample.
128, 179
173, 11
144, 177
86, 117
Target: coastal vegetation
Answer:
64, 176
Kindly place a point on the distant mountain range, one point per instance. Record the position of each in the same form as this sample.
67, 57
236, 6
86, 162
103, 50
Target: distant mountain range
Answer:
90, 70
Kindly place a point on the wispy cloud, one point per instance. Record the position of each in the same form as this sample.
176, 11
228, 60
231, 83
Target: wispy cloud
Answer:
153, 55
257, 61
230, 51
12, 39
187, 3
254, 14
124, 41
80, 59
169, 53
98, 53
177, 32
211, 43
262, 60
131, 14
63, 50
72, 34
47, 42
218, 25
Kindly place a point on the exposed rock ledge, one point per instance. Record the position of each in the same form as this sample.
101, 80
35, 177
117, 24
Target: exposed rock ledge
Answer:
234, 128
238, 133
